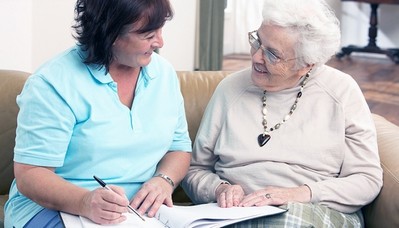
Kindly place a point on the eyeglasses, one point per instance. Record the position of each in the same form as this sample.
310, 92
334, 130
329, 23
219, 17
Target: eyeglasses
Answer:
256, 44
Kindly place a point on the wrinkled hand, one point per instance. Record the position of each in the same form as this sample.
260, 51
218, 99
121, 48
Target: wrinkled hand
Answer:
277, 196
152, 195
103, 206
229, 195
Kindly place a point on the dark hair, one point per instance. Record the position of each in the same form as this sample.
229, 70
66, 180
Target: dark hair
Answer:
100, 22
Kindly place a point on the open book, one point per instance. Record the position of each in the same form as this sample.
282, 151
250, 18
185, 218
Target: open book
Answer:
203, 215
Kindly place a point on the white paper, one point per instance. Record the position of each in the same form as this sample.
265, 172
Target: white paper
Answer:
204, 215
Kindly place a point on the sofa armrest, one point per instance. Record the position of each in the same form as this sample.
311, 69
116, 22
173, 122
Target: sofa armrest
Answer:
384, 210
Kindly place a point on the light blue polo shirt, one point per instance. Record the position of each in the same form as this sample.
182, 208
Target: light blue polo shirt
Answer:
71, 118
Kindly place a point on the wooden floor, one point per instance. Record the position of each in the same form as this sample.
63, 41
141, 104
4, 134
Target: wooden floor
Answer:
377, 76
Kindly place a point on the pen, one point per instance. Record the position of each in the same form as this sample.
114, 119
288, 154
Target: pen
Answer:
104, 185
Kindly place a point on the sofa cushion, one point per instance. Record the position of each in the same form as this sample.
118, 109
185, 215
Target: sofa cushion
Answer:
384, 210
10, 86
196, 94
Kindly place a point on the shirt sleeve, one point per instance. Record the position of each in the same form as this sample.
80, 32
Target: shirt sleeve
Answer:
45, 124
360, 178
181, 140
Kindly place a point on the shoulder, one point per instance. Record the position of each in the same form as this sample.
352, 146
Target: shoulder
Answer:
68, 63
335, 82
332, 77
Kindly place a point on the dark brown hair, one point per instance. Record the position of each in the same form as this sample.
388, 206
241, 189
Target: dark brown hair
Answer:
100, 22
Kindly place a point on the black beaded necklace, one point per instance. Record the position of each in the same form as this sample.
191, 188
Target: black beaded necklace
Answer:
264, 137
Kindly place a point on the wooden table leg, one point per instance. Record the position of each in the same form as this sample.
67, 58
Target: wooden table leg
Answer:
392, 53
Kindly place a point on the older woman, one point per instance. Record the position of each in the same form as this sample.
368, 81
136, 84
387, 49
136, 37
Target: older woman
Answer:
109, 107
289, 131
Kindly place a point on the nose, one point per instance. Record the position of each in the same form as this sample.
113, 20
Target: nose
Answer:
158, 39
257, 55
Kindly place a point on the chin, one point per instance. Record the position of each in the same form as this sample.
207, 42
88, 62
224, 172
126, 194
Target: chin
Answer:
145, 61
258, 79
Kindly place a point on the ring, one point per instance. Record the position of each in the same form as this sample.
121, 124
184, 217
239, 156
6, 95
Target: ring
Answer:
268, 196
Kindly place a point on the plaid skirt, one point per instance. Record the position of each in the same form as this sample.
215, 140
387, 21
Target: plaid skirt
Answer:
305, 215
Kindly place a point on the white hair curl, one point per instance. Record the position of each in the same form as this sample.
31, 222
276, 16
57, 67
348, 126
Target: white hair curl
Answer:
314, 23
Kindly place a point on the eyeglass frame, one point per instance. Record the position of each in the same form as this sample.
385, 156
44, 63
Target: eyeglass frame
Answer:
257, 44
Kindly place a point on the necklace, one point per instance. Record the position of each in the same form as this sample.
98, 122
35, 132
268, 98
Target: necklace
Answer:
264, 137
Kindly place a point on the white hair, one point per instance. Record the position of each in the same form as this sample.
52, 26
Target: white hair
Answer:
314, 23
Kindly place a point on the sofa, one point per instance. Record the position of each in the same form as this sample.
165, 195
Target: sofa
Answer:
197, 87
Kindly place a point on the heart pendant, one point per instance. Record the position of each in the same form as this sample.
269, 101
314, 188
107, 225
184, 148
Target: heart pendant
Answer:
263, 139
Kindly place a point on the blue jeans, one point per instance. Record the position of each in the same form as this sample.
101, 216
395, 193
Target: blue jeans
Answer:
46, 218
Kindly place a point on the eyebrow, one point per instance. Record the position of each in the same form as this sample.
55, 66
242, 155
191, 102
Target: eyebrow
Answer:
276, 52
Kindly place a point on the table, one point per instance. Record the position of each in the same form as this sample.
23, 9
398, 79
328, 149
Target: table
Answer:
371, 47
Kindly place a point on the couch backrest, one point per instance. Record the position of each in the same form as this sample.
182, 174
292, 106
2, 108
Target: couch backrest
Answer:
11, 83
197, 93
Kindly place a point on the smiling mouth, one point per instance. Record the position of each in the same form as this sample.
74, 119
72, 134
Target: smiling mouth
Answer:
260, 68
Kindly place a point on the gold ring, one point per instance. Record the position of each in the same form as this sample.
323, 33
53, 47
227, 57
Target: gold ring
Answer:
268, 196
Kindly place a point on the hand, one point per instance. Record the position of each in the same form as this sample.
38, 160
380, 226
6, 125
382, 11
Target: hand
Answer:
103, 206
277, 196
152, 195
229, 195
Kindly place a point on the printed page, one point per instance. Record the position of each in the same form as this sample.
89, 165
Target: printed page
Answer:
210, 215
73, 221
132, 221
204, 215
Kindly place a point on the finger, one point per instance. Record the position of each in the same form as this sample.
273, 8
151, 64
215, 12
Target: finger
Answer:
139, 198
168, 202
114, 201
222, 200
109, 219
266, 200
229, 198
148, 201
246, 199
155, 206
118, 190
237, 199
252, 199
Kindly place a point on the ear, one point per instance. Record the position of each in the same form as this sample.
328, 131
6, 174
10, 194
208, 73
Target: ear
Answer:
305, 70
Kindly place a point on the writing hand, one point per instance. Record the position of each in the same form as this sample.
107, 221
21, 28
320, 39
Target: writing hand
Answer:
105, 207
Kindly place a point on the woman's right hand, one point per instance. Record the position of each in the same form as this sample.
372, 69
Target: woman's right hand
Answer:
103, 206
229, 195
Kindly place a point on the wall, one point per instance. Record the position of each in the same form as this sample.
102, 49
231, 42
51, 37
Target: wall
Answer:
15, 38
179, 35
35, 30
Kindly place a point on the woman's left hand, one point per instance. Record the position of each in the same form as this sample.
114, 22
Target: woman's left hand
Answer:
152, 195
277, 196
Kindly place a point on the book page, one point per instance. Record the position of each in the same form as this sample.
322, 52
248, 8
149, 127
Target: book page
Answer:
210, 215
203, 215
73, 221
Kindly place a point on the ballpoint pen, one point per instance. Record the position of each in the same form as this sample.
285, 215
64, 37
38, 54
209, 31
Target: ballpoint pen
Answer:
104, 185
